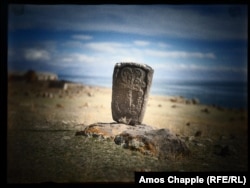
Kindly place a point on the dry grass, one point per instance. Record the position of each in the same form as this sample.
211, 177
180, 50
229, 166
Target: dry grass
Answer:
42, 145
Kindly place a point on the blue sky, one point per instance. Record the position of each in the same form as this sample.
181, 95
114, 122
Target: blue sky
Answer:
177, 41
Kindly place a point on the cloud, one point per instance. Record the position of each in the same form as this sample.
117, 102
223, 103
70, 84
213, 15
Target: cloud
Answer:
82, 37
126, 49
191, 67
74, 59
108, 47
141, 43
82, 58
116, 51
36, 55
73, 44
179, 54
209, 22
163, 45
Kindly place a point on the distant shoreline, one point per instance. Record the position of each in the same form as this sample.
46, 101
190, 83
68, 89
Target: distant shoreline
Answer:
175, 99
224, 94
229, 95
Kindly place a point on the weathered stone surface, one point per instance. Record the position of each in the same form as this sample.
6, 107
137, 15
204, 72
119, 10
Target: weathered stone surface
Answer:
110, 130
130, 90
160, 143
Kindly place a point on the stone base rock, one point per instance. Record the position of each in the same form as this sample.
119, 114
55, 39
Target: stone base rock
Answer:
160, 143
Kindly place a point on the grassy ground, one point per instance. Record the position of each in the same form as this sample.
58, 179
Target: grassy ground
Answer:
42, 146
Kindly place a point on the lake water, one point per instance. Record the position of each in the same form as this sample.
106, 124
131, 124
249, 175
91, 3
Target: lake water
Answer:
230, 94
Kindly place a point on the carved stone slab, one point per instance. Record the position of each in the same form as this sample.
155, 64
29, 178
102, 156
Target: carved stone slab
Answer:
130, 90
